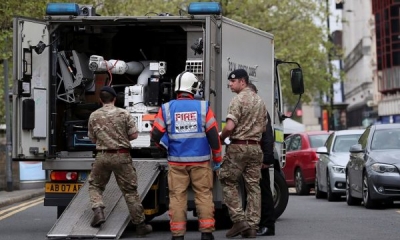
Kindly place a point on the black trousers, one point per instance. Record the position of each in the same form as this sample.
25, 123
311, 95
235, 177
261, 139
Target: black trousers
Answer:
267, 201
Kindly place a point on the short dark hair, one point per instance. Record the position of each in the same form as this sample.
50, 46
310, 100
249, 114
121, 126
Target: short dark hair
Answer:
106, 97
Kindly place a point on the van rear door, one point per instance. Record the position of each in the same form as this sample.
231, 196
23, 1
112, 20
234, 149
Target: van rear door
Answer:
30, 132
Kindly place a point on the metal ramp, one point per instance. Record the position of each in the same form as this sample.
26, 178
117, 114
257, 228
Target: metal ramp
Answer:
74, 223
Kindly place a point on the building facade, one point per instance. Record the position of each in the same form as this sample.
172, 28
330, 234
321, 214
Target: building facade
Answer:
387, 30
359, 63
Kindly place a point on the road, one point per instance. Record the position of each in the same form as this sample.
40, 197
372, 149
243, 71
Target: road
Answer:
305, 218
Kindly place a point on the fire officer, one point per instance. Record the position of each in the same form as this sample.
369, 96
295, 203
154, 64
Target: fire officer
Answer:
187, 129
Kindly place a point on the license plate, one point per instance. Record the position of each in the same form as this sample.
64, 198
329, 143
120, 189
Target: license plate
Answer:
63, 187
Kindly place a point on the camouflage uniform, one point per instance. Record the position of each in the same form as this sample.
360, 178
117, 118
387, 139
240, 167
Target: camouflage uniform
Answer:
111, 126
248, 111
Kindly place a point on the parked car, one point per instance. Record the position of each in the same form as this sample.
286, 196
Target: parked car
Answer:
373, 171
330, 179
301, 157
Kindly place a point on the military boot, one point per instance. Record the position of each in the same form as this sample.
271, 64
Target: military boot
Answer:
98, 217
237, 228
249, 233
143, 229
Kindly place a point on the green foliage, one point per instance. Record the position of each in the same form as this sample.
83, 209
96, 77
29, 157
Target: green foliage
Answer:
8, 10
293, 23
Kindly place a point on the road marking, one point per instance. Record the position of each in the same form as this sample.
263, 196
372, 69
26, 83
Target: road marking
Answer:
18, 208
398, 211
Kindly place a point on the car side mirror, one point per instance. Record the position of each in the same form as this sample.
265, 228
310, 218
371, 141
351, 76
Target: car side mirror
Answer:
357, 148
322, 150
296, 80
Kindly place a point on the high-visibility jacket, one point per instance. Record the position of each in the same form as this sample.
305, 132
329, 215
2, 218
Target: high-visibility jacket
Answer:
187, 128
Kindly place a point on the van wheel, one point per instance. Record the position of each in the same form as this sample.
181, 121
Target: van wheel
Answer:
280, 194
301, 187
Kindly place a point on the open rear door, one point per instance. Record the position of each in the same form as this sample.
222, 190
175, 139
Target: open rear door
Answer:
30, 93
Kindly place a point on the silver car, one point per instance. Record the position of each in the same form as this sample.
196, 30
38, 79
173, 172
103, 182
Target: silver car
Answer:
330, 180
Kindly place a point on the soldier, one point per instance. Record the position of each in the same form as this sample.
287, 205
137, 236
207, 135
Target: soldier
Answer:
245, 123
112, 129
267, 221
187, 129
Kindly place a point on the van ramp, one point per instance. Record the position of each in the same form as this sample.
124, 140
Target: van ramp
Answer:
74, 223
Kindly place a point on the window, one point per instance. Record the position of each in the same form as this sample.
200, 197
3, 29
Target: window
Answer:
295, 144
317, 141
343, 143
364, 138
385, 139
328, 143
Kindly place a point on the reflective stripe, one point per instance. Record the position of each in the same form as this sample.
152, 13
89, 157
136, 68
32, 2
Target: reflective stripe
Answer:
160, 122
186, 135
177, 226
203, 111
167, 117
206, 223
189, 159
217, 154
210, 123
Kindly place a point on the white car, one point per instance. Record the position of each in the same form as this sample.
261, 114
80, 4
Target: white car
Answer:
330, 179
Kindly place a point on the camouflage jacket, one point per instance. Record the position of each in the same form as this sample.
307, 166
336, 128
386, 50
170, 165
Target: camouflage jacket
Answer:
249, 113
110, 127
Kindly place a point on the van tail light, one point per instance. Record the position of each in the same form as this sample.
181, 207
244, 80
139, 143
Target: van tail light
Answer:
64, 176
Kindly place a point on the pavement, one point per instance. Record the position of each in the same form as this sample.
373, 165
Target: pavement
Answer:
17, 196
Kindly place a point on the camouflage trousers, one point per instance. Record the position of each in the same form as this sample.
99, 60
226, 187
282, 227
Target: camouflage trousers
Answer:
125, 174
242, 161
200, 177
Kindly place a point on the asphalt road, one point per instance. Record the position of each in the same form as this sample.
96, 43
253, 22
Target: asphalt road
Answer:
305, 218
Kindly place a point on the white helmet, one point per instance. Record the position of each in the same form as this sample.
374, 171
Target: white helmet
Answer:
187, 82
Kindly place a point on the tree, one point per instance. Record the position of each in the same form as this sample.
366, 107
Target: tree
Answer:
294, 23
297, 36
9, 9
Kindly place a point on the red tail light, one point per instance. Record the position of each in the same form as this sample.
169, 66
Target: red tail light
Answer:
63, 176
314, 157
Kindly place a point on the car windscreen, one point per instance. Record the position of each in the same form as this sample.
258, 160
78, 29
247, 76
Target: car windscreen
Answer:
344, 142
386, 139
317, 141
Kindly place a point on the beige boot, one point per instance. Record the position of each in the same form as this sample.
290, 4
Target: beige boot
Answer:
98, 217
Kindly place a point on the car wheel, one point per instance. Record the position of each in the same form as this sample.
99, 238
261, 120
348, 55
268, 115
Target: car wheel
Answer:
318, 193
280, 194
368, 202
301, 187
330, 195
351, 201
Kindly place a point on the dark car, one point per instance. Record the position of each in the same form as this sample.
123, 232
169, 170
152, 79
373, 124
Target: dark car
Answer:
301, 157
373, 171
